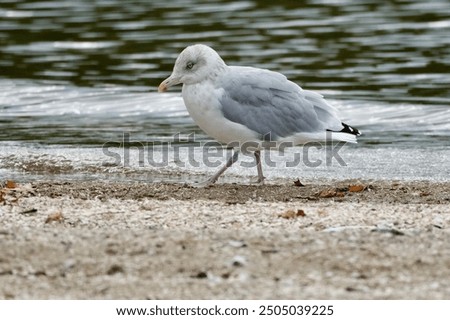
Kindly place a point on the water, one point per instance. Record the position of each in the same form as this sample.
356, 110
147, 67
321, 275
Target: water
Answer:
78, 74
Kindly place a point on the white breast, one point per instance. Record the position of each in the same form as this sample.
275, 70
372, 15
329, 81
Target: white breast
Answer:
202, 103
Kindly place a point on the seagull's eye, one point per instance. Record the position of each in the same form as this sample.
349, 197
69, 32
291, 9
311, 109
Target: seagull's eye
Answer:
189, 65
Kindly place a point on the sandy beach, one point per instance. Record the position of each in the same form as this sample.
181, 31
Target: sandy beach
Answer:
128, 240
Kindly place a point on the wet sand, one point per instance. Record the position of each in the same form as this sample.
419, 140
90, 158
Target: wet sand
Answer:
123, 240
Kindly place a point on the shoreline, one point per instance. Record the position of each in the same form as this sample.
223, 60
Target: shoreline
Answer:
129, 240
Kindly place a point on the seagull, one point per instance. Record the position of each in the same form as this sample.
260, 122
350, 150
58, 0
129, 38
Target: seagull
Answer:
245, 106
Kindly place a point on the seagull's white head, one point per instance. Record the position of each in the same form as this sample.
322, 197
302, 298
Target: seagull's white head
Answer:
194, 64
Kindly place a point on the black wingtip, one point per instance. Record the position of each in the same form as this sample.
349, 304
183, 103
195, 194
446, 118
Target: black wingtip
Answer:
351, 130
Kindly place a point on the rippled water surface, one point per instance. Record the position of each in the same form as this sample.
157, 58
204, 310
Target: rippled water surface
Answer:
81, 73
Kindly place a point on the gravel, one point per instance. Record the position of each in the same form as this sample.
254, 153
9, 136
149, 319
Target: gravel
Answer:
121, 240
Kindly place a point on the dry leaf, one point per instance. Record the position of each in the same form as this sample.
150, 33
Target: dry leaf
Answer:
356, 188
327, 193
290, 214
11, 184
300, 213
57, 217
330, 193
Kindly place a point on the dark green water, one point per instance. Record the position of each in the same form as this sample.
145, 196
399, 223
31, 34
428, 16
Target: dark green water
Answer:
378, 50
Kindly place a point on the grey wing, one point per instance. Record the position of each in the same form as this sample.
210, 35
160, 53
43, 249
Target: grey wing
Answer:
268, 103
